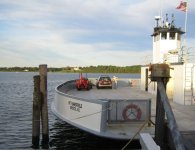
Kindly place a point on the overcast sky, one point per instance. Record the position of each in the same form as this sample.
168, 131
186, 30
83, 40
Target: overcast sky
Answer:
84, 32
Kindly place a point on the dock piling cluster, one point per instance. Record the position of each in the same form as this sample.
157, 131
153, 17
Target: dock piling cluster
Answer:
40, 110
36, 112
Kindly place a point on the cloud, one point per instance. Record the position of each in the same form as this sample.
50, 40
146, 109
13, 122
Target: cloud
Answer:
79, 32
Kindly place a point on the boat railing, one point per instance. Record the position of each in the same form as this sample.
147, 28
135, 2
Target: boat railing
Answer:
121, 82
83, 113
164, 107
67, 86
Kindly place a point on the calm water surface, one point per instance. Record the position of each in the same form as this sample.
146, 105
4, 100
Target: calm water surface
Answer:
16, 115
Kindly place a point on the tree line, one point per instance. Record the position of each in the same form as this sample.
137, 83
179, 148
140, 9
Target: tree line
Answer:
90, 69
112, 69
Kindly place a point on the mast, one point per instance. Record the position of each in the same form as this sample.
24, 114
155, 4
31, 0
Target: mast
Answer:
184, 7
161, 11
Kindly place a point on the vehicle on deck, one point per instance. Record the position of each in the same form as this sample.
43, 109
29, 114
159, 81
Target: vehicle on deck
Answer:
83, 83
104, 81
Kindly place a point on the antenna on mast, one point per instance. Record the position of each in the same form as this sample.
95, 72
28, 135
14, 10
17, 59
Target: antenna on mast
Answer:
161, 12
173, 21
157, 18
167, 21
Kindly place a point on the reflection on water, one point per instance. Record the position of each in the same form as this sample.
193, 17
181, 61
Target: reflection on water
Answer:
65, 136
16, 116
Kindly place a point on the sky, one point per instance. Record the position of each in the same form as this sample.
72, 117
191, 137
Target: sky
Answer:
63, 33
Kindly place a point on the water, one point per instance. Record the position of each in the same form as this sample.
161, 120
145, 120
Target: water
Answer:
16, 115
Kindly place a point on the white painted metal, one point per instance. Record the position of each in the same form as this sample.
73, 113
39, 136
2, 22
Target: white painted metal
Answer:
179, 75
163, 46
89, 110
79, 111
119, 107
147, 142
181, 85
188, 85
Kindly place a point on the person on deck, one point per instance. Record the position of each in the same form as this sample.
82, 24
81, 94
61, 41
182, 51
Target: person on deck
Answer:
115, 81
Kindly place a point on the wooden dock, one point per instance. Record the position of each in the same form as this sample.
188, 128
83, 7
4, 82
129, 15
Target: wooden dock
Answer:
189, 139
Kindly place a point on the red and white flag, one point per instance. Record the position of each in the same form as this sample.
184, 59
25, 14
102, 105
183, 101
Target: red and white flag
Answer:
182, 6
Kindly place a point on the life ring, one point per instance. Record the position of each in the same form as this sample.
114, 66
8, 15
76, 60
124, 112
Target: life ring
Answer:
132, 112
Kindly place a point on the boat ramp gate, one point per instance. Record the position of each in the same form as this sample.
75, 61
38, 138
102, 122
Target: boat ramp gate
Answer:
130, 110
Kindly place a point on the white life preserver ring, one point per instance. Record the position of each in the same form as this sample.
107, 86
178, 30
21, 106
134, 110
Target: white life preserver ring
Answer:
132, 112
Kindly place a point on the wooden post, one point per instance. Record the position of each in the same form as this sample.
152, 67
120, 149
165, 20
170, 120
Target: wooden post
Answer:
161, 74
36, 113
44, 109
160, 120
146, 83
172, 125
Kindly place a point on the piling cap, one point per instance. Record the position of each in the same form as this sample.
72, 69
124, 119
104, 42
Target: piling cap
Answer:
159, 71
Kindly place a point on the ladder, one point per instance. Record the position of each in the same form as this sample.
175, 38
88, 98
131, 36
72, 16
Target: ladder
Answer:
193, 84
188, 84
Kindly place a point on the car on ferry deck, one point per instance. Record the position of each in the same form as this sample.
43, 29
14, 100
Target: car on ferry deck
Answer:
104, 81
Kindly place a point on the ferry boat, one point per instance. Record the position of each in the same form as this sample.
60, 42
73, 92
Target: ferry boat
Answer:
116, 113
128, 108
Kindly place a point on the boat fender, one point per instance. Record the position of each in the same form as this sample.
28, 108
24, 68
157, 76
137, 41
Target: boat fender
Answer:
132, 112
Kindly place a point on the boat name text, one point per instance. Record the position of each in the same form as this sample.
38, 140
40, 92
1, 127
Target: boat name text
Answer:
75, 106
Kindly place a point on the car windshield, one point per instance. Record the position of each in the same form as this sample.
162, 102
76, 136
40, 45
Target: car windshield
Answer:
105, 78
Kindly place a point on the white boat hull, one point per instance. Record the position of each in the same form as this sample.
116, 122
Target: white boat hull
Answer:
102, 117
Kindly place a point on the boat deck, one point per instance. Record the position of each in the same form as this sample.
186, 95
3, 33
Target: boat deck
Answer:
118, 130
184, 114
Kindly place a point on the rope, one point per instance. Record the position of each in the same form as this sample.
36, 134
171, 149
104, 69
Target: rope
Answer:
136, 134
152, 122
108, 108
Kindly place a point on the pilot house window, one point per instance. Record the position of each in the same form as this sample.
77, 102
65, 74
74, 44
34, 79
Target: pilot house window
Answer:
164, 35
172, 36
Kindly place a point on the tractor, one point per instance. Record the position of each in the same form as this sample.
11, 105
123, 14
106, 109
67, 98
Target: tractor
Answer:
83, 83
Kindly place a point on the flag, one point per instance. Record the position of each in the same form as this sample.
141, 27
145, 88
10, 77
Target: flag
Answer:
182, 6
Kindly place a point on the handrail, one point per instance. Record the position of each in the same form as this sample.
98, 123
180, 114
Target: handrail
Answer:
172, 125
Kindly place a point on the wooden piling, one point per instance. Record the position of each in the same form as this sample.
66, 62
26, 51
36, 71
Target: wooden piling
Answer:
161, 74
36, 113
146, 78
44, 109
172, 125
160, 121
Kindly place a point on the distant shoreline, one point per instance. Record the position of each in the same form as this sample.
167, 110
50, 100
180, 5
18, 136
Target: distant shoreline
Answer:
73, 72
92, 69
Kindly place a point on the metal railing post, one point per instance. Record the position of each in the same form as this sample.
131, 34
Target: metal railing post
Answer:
161, 74
172, 125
